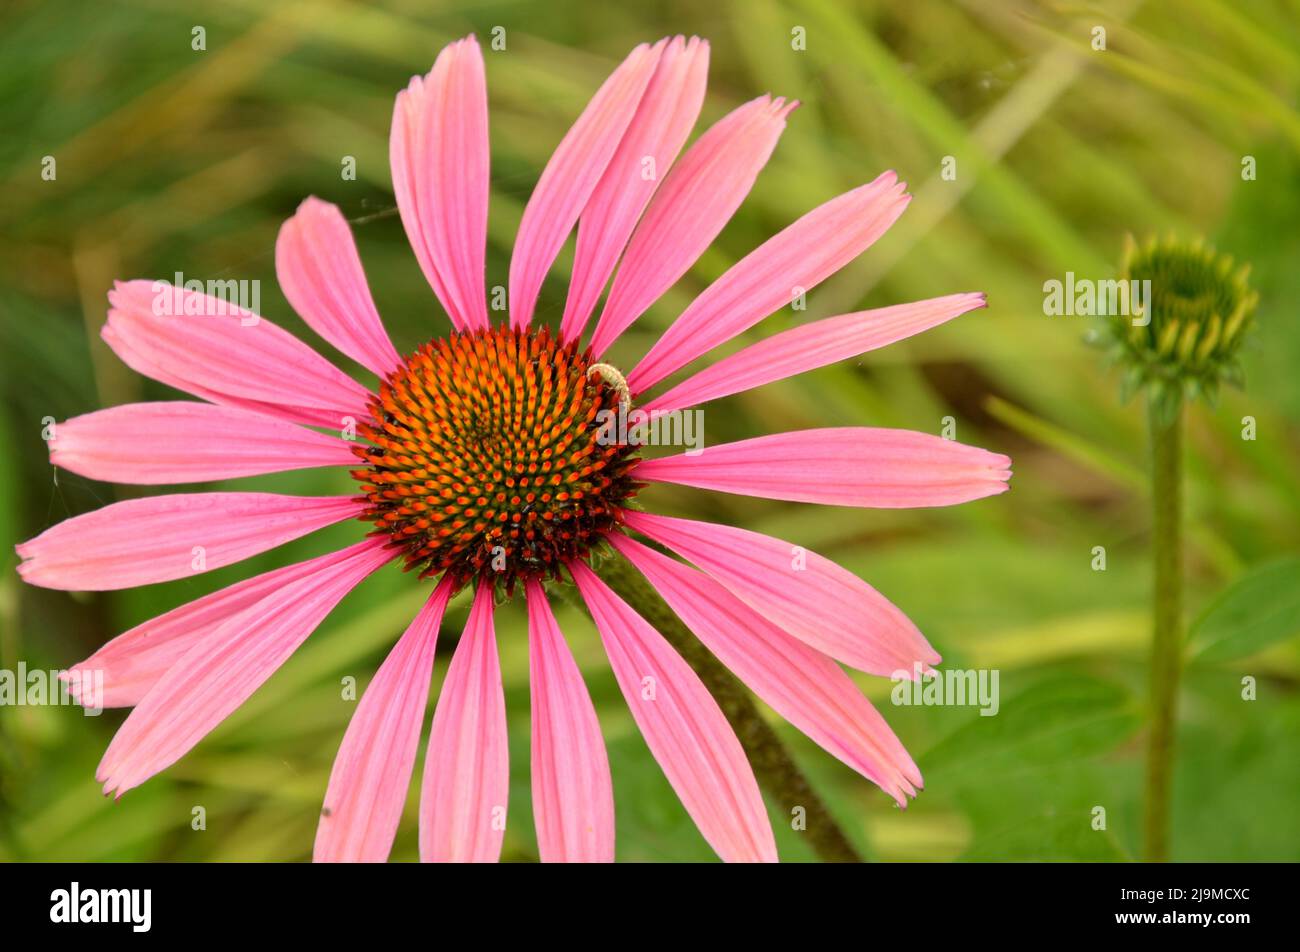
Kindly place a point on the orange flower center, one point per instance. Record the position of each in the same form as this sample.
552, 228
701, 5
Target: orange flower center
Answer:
492, 456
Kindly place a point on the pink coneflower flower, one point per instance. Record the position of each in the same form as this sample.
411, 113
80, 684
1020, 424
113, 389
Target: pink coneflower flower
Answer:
481, 464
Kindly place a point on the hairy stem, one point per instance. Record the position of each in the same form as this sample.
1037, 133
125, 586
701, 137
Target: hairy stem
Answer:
772, 763
1167, 638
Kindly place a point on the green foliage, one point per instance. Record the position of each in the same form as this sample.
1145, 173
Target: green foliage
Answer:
170, 159
1256, 612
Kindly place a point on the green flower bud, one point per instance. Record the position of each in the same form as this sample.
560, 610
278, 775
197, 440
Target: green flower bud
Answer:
1198, 310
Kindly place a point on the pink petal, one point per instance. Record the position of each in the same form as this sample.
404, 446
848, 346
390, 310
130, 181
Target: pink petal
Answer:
133, 662
372, 772
698, 197
664, 119
438, 149
142, 541
150, 367
843, 466
683, 727
801, 592
223, 670
196, 343
320, 272
771, 276
181, 442
804, 686
573, 796
466, 771
811, 346
571, 176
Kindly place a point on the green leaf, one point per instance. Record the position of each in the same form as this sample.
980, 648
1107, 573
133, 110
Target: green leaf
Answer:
1258, 610
1049, 833
1061, 717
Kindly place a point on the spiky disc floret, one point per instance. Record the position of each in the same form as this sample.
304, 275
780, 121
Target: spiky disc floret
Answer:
490, 457
1200, 309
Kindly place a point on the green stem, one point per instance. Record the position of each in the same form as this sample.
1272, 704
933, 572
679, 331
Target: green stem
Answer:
772, 763
1167, 638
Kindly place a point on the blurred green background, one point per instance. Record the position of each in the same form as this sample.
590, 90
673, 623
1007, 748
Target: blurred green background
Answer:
172, 160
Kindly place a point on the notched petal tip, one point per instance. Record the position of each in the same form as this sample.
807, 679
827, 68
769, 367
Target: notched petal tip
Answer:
778, 107
998, 472
312, 204
466, 45
110, 786
922, 666
889, 182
